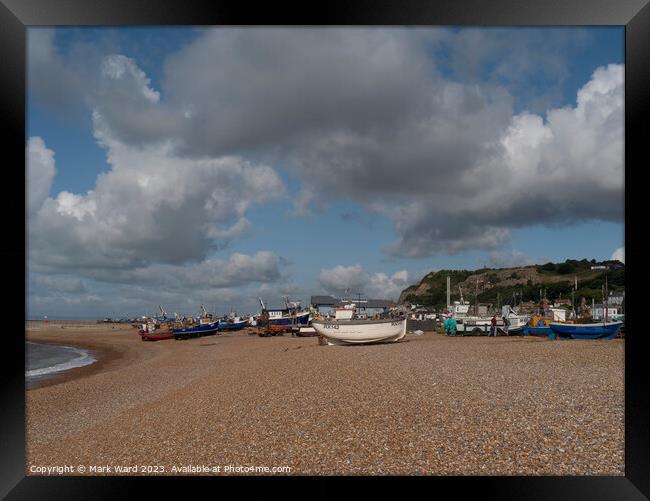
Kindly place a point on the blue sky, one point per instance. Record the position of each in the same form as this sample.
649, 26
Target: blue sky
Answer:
310, 161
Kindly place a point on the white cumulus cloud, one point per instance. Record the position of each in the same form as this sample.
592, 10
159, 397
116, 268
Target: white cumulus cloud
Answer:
152, 206
619, 254
40, 173
355, 279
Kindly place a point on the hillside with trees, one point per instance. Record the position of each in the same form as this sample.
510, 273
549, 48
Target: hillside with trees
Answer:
499, 286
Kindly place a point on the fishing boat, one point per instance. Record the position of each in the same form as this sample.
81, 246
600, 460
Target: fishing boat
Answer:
291, 316
601, 330
153, 331
604, 329
356, 331
537, 327
157, 328
516, 321
207, 325
348, 328
232, 323
157, 335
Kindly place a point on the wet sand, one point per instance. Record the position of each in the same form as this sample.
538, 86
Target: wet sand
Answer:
432, 405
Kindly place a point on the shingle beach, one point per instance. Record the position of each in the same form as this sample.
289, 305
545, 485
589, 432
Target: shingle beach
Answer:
431, 405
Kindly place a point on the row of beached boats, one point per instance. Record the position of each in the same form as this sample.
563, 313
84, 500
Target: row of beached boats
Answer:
511, 323
290, 318
351, 325
348, 326
572, 329
164, 327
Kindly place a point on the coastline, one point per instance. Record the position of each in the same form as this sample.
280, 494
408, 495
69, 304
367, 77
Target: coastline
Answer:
107, 356
103, 356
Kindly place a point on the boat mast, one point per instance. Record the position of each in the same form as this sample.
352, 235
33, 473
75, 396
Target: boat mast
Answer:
606, 298
448, 292
593, 306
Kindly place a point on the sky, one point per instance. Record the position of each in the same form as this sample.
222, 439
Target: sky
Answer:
183, 166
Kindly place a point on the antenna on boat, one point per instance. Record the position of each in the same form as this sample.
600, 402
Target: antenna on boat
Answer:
573, 304
606, 300
448, 291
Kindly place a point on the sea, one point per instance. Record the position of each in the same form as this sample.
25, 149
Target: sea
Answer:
45, 360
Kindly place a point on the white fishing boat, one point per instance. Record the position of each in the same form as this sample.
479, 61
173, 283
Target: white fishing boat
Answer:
516, 321
360, 331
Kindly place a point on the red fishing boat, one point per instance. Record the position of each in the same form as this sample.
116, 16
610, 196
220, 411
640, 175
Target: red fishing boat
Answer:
157, 336
152, 331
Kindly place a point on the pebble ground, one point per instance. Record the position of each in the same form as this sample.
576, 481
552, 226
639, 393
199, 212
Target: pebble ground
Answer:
432, 405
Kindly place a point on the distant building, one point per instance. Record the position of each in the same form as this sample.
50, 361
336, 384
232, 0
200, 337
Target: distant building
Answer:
608, 265
598, 311
559, 314
616, 299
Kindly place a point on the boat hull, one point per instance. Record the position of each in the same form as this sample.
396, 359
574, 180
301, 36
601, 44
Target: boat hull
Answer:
360, 331
206, 329
542, 330
607, 330
299, 320
157, 337
232, 326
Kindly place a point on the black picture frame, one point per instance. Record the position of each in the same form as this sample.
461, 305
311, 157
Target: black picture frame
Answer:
16, 15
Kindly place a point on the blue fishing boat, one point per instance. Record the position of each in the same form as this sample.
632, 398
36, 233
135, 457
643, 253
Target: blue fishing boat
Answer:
537, 326
206, 326
289, 316
602, 330
300, 320
201, 329
232, 324
536, 330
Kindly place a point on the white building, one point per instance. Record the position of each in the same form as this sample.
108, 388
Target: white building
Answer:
559, 314
598, 311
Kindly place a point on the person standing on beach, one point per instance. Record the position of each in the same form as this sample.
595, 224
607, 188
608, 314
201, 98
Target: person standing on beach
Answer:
493, 329
452, 326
